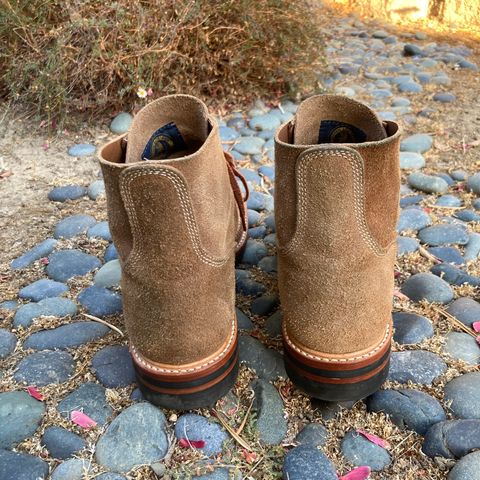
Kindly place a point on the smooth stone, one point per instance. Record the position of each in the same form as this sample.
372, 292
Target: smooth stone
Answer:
228, 134
464, 394
65, 264
21, 466
244, 323
96, 189
81, 150
72, 226
360, 451
266, 362
448, 201
8, 342
312, 434
265, 122
381, 93
39, 251
426, 286
462, 346
476, 204
420, 35
45, 368
267, 171
413, 219
121, 123
452, 439
196, 427
273, 325
100, 301
380, 34
109, 275
41, 289
419, 143
467, 215
245, 285
136, 437
444, 97
424, 77
441, 79
268, 264
66, 336
468, 65
411, 328
410, 50
62, 443
468, 468
270, 223
253, 217
67, 192
442, 234
447, 254
113, 366
454, 275
411, 160
250, 176
249, 145
406, 245
254, 252
73, 469
465, 309
9, 305
408, 409
100, 230
110, 253
390, 116
472, 248
417, 366
268, 405
257, 232
49, 307
473, 183
306, 461
459, 175
110, 476
258, 201
410, 87
20, 416
400, 102
264, 305
427, 183
90, 399
236, 122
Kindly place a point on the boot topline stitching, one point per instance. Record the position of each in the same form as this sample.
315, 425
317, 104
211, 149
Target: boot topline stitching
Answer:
193, 369
359, 203
186, 209
335, 360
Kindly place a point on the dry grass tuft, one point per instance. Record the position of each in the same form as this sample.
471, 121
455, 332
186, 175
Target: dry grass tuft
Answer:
92, 56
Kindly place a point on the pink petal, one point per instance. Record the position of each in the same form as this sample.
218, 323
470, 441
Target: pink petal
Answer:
476, 326
183, 442
374, 439
360, 473
397, 293
33, 392
81, 419
149, 92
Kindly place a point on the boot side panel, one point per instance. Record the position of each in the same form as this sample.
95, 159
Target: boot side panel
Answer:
335, 279
178, 298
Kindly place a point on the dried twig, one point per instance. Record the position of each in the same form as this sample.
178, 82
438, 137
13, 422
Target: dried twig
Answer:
454, 320
425, 253
231, 431
244, 421
99, 320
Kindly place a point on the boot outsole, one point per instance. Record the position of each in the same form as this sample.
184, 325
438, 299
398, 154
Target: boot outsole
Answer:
340, 381
185, 391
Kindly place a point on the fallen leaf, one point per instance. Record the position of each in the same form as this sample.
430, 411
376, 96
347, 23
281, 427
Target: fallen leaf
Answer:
374, 439
81, 419
476, 326
185, 443
249, 457
33, 392
359, 473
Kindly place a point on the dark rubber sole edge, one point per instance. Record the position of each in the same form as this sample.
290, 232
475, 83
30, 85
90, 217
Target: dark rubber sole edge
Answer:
200, 392
331, 391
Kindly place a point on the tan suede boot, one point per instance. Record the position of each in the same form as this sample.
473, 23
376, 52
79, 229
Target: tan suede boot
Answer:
336, 207
177, 218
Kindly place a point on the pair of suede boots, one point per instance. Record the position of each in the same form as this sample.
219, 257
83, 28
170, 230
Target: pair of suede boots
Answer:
178, 220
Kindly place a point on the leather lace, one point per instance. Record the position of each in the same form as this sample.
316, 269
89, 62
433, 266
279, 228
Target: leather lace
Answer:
240, 199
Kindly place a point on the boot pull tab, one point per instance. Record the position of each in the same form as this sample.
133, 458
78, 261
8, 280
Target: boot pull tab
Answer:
240, 199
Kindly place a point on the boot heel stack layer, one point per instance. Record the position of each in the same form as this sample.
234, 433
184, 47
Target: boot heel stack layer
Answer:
185, 387
337, 379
